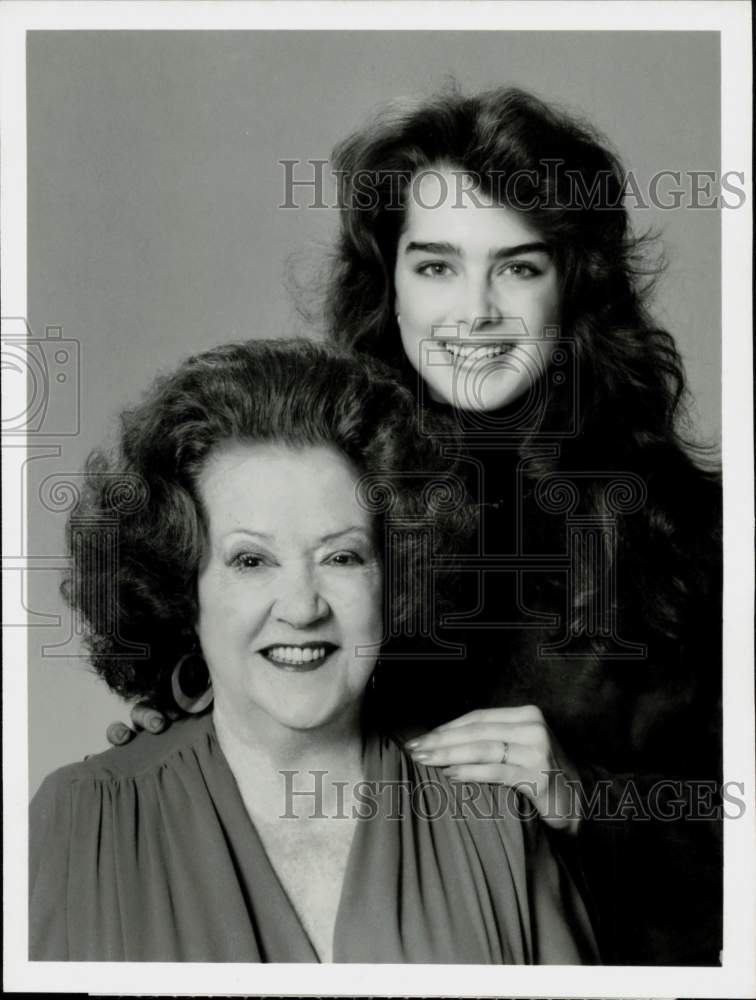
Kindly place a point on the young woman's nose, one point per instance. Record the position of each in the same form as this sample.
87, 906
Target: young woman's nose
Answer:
478, 308
299, 602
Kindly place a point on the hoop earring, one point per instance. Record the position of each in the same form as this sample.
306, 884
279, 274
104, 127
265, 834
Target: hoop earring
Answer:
187, 703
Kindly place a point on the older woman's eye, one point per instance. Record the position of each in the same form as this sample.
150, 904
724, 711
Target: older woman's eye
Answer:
247, 560
345, 559
435, 269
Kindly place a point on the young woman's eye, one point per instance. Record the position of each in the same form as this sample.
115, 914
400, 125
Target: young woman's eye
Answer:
435, 269
520, 269
345, 559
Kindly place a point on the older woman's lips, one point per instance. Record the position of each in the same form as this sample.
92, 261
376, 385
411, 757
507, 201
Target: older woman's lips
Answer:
308, 656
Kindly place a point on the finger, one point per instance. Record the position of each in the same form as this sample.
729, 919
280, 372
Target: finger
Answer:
521, 713
118, 733
477, 731
143, 716
480, 752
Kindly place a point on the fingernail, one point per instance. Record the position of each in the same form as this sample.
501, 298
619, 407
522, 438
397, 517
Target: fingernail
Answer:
451, 772
156, 724
420, 756
118, 733
411, 744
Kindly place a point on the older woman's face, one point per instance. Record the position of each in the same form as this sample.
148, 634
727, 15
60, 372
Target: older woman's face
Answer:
477, 293
290, 586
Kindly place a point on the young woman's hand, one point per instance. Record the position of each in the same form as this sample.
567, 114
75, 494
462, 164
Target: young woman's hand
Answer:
142, 717
509, 746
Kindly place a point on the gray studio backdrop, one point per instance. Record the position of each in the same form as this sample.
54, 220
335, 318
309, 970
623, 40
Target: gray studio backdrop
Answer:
154, 228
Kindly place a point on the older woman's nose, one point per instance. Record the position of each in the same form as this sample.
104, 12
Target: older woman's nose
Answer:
299, 602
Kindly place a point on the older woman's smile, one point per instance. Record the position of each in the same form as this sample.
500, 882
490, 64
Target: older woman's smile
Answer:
308, 656
291, 587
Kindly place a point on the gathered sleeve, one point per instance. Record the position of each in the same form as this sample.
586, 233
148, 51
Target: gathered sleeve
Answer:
49, 848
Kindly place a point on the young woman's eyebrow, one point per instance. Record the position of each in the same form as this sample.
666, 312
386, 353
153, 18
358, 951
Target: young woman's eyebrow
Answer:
521, 248
447, 249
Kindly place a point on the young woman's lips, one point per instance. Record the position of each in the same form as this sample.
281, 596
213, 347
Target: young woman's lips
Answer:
301, 657
463, 353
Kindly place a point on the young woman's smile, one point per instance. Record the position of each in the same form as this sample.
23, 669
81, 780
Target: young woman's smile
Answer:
477, 294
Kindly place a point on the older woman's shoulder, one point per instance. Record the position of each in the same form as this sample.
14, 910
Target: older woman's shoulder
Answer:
144, 754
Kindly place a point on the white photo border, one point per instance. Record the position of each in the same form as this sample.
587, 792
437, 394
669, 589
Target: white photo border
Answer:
736, 978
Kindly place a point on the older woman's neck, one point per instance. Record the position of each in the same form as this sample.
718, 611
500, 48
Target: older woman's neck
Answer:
262, 741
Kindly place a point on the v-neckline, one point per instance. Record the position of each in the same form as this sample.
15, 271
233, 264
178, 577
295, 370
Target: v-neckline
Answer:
370, 752
284, 894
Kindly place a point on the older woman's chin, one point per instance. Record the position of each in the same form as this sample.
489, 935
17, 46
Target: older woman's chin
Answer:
299, 714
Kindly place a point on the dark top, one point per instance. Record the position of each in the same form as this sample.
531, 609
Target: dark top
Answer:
644, 732
147, 853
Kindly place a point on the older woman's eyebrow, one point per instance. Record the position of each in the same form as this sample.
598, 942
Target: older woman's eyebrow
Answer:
353, 529
252, 533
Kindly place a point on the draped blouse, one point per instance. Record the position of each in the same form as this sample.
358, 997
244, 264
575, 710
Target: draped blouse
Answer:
147, 853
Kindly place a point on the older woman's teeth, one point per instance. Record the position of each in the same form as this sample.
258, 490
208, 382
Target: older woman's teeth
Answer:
479, 350
296, 654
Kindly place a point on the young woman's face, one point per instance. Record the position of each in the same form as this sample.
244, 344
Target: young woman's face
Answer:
291, 587
477, 294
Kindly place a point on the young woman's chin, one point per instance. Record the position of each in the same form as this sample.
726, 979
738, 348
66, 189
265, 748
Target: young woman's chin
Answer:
485, 388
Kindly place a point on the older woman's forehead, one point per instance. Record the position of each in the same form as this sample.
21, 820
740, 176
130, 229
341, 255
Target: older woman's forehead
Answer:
274, 485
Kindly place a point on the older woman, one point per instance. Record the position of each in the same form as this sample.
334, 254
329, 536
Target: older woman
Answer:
249, 573
484, 251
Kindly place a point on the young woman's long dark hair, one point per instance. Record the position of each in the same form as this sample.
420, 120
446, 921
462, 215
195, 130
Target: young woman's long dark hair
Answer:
626, 394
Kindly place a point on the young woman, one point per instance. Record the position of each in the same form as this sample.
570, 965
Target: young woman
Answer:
484, 251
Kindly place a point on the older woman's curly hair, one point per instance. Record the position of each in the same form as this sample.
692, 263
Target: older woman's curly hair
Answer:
622, 403
138, 532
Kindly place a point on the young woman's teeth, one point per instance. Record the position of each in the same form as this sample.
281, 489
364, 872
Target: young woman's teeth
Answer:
296, 654
479, 350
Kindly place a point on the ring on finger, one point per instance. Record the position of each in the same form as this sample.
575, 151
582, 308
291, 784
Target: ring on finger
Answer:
504, 752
